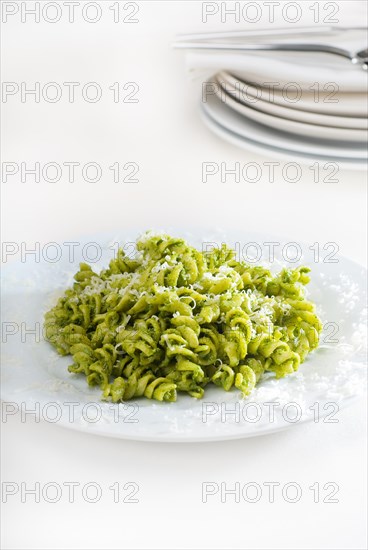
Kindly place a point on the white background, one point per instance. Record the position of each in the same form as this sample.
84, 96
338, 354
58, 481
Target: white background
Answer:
163, 134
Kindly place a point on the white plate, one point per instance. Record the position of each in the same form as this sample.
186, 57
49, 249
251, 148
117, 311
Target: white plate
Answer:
33, 374
249, 135
330, 101
291, 126
233, 87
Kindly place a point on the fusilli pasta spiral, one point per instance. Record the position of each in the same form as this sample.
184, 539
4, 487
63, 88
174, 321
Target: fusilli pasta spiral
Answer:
176, 319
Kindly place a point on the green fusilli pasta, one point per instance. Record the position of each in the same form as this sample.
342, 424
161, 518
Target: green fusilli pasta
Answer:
176, 319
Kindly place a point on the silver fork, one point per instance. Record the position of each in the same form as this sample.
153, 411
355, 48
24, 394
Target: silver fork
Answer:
359, 57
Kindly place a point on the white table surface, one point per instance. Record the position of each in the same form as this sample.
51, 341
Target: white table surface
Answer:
163, 134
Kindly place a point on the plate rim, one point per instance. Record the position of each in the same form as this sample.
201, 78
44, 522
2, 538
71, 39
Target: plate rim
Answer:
288, 112
356, 164
302, 129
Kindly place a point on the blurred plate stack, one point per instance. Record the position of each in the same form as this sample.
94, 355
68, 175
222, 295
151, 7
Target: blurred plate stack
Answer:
305, 106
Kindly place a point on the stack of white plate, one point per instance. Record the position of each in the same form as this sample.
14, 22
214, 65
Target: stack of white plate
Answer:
324, 123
